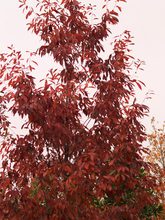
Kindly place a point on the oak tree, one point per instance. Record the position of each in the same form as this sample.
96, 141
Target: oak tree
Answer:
82, 154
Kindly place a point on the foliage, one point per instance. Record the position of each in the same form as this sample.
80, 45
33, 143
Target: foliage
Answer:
81, 157
157, 158
149, 211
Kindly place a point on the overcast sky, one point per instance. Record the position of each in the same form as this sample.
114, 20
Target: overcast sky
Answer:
144, 18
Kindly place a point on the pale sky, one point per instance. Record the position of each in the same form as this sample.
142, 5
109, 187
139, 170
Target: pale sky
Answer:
144, 18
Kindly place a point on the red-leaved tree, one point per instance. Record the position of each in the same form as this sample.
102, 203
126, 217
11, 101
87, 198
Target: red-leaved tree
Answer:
81, 155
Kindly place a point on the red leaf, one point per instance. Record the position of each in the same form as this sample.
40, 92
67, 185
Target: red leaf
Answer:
139, 85
28, 14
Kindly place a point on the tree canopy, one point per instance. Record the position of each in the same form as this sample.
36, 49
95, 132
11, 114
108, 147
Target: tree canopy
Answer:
82, 157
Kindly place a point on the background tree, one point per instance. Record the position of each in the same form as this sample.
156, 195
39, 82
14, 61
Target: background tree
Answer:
81, 157
157, 158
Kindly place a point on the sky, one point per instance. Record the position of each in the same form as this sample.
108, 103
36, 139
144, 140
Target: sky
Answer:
145, 19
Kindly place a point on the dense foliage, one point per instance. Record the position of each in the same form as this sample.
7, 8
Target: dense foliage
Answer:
82, 155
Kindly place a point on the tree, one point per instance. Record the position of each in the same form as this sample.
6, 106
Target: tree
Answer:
157, 158
81, 157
